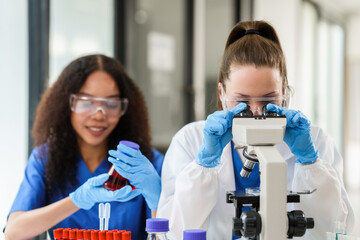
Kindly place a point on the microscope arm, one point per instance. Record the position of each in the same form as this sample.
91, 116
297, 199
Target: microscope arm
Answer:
273, 192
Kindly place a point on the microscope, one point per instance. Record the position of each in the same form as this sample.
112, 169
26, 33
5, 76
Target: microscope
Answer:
268, 218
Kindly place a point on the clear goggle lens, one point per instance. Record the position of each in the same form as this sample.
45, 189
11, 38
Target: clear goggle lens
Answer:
87, 105
256, 104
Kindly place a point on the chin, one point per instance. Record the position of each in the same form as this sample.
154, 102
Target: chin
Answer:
95, 142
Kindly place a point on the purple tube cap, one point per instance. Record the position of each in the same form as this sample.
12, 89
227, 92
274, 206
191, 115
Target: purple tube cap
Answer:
194, 234
157, 225
130, 144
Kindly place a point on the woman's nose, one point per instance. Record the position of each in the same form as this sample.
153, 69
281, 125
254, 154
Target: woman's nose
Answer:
256, 108
99, 113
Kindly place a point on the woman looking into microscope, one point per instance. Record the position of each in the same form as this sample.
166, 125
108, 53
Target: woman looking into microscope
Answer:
201, 164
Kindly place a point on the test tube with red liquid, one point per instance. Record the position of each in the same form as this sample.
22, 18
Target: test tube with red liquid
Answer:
116, 181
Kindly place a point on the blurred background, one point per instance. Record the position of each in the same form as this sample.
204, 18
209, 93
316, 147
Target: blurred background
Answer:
172, 49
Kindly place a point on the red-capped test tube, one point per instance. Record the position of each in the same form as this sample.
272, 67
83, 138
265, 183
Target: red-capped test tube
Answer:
80, 234
102, 235
66, 233
126, 235
95, 235
110, 235
58, 233
72, 234
116, 181
87, 234
118, 235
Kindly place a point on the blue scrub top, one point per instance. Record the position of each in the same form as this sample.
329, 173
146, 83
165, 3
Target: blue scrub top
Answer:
130, 215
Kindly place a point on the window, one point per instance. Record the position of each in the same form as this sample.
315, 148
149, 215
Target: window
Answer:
79, 28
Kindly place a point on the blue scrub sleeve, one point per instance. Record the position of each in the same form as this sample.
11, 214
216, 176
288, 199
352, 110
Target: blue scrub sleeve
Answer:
31, 194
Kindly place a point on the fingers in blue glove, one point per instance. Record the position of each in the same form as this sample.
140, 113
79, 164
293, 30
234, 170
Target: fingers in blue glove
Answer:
219, 122
124, 168
121, 195
127, 196
120, 156
135, 159
129, 151
238, 108
294, 118
298, 134
217, 133
92, 192
98, 180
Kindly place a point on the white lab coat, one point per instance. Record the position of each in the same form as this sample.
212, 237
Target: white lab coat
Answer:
194, 197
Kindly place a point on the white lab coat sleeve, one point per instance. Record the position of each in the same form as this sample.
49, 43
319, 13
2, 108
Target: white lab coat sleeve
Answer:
189, 191
329, 203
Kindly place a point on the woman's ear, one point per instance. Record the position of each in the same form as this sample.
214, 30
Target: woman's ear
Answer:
221, 95
220, 90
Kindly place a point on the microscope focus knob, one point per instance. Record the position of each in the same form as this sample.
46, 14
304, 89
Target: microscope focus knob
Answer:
237, 226
251, 222
310, 223
298, 223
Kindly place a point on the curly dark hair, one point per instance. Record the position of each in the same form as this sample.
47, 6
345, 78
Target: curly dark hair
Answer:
53, 131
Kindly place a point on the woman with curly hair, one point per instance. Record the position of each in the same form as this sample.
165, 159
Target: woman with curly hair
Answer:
91, 107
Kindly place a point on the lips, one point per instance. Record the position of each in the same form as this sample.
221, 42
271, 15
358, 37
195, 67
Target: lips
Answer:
96, 131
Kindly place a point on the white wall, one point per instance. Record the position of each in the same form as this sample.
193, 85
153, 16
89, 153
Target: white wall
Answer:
91, 31
352, 108
283, 15
352, 116
13, 100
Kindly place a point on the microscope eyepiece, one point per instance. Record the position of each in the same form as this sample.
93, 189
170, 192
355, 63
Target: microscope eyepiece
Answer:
247, 112
267, 113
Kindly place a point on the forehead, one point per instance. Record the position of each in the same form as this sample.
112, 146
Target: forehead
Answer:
253, 81
100, 84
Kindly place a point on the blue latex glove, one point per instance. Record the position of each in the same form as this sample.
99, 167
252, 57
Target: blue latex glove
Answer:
217, 133
297, 134
133, 165
92, 191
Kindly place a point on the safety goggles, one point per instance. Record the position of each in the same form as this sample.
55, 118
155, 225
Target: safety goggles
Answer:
256, 103
88, 105
259, 100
